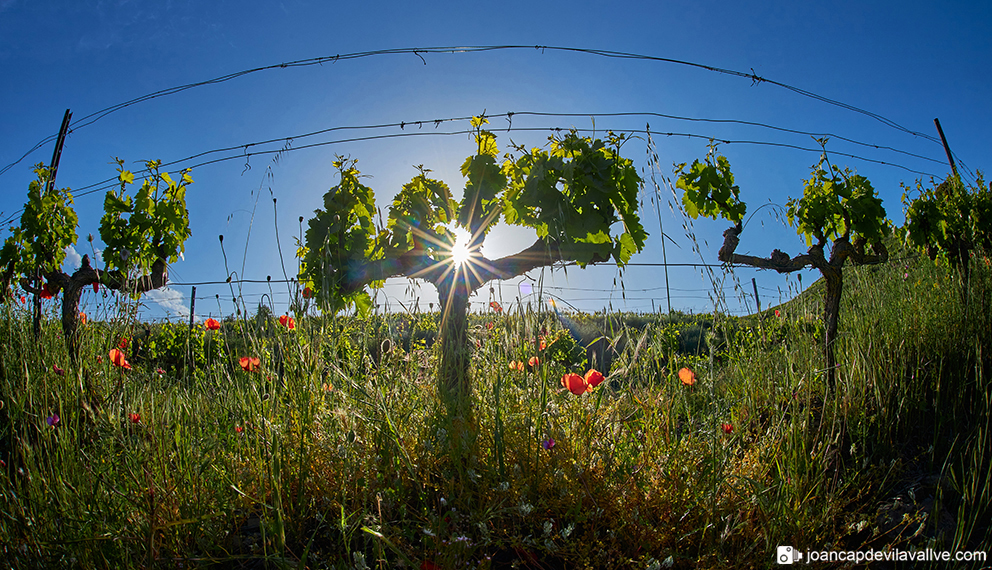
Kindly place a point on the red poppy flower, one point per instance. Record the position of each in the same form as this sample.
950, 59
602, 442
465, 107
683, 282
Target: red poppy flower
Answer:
117, 357
688, 377
135, 418
82, 318
496, 306
517, 365
727, 428
593, 378
307, 293
46, 293
160, 371
239, 429
249, 363
212, 325
23, 299
489, 325
287, 321
574, 383
99, 359
534, 362
777, 314
96, 287
122, 344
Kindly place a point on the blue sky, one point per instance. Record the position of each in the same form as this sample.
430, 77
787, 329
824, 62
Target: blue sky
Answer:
907, 61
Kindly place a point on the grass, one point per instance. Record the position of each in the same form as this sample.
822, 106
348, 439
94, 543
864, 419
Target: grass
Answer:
334, 453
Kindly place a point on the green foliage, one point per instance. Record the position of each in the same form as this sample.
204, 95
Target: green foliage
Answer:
838, 203
48, 226
418, 216
173, 347
480, 208
573, 194
950, 219
709, 189
340, 237
560, 347
151, 225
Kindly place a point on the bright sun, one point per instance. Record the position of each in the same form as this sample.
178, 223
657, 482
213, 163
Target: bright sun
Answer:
459, 252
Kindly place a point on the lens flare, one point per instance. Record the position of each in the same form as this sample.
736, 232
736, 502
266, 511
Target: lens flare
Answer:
460, 253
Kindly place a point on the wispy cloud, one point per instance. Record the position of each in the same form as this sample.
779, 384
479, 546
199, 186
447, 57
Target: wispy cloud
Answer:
72, 259
171, 300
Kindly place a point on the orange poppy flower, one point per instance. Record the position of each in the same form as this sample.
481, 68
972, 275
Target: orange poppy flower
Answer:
117, 358
593, 378
517, 365
23, 299
688, 377
82, 318
496, 306
212, 325
135, 418
307, 293
727, 428
490, 325
287, 321
574, 383
249, 363
534, 362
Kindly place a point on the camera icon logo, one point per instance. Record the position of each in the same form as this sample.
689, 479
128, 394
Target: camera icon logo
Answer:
787, 555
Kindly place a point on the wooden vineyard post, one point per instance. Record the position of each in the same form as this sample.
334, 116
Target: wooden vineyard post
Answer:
53, 169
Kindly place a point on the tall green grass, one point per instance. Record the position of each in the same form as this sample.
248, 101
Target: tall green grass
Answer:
334, 454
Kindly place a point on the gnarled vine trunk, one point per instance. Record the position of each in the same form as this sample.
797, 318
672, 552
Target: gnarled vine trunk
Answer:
454, 382
833, 276
834, 279
72, 288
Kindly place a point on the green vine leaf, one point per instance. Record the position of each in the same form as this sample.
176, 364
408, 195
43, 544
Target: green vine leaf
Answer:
574, 194
418, 216
579, 195
151, 225
709, 190
949, 219
838, 204
340, 237
48, 227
